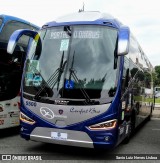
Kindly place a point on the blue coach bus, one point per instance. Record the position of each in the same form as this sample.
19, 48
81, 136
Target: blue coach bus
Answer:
11, 68
84, 82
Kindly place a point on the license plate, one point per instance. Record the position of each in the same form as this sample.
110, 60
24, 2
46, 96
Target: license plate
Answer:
59, 136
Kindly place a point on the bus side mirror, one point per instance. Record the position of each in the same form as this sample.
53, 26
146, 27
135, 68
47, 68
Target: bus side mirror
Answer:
123, 41
15, 37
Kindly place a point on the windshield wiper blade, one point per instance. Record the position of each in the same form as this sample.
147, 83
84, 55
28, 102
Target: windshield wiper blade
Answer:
72, 73
54, 78
61, 70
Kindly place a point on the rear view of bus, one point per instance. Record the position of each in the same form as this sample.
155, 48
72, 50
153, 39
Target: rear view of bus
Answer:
11, 67
71, 84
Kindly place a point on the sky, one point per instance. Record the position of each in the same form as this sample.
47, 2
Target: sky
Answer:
142, 16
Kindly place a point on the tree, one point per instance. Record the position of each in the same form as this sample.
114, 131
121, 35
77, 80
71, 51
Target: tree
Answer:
157, 70
156, 76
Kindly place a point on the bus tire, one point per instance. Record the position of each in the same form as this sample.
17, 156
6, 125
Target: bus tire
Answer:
127, 139
133, 122
150, 115
131, 128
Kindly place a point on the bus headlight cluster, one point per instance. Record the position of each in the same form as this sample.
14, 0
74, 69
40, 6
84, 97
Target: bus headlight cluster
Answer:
104, 125
26, 119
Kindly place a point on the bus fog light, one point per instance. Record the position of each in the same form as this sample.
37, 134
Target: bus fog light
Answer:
21, 128
104, 125
107, 138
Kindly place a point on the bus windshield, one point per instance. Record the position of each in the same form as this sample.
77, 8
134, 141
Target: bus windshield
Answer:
10, 27
157, 89
72, 62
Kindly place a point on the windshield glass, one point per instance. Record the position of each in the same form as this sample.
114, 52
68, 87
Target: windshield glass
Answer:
10, 27
73, 62
157, 89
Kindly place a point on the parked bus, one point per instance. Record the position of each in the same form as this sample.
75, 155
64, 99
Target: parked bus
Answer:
83, 83
11, 68
157, 92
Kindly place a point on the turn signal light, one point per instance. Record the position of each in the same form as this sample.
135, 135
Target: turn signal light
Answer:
104, 125
26, 119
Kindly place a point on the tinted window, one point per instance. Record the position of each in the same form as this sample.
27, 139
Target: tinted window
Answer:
10, 27
11, 66
0, 22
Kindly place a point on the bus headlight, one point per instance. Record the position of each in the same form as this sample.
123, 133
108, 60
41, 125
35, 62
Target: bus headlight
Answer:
26, 119
104, 125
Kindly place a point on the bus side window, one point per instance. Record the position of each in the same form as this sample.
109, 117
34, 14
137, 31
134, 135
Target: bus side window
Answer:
126, 76
1, 21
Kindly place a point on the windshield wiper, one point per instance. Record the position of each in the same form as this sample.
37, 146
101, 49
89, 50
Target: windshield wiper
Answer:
54, 78
72, 73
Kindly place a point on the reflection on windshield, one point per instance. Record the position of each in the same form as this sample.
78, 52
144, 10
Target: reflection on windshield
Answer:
55, 78
86, 70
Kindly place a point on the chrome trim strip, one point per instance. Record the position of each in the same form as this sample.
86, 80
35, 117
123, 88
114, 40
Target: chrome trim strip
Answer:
69, 140
74, 138
77, 143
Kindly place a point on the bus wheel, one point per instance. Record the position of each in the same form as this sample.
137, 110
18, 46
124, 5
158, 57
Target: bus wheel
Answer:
127, 139
133, 122
131, 128
150, 115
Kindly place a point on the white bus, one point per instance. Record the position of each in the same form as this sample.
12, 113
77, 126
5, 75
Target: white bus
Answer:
11, 68
157, 92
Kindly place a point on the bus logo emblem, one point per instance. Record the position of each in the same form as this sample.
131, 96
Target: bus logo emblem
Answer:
59, 134
47, 113
60, 111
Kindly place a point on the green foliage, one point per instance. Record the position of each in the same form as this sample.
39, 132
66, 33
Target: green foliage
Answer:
157, 100
157, 70
156, 76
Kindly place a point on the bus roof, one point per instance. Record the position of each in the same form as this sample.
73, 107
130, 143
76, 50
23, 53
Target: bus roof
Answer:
86, 17
8, 18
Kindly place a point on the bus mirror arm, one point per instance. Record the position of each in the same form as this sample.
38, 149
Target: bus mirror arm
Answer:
15, 37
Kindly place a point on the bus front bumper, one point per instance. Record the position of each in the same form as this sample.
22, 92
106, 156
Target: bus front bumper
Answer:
69, 138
